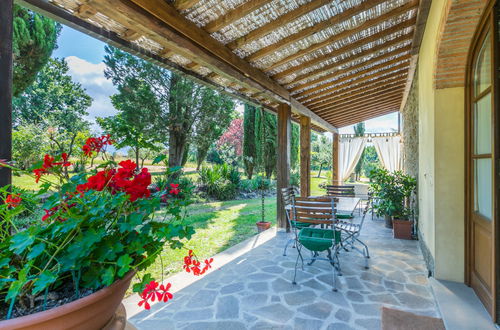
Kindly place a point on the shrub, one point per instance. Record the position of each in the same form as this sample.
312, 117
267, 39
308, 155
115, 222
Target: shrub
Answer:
255, 184
221, 181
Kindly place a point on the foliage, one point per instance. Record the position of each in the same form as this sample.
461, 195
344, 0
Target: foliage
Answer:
267, 144
213, 155
97, 227
392, 190
256, 183
144, 154
295, 178
221, 181
295, 147
230, 143
29, 144
56, 104
371, 161
359, 130
321, 152
215, 117
34, 39
249, 140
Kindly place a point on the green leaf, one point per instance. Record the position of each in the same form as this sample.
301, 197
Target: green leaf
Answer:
159, 159
44, 280
123, 262
4, 262
108, 276
36, 250
16, 286
138, 287
136, 219
21, 241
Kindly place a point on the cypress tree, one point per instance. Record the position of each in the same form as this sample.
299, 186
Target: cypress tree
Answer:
294, 146
249, 140
34, 39
267, 131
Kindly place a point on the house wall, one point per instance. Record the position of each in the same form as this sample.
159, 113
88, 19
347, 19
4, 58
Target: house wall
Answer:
441, 158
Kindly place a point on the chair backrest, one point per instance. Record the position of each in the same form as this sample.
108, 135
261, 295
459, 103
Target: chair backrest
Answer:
287, 194
314, 210
341, 191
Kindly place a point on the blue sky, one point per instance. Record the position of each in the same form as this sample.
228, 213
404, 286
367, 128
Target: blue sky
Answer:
85, 54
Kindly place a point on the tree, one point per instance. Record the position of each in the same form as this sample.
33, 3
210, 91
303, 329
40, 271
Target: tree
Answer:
29, 144
294, 146
214, 119
359, 130
34, 39
56, 104
249, 140
321, 152
135, 125
266, 138
230, 143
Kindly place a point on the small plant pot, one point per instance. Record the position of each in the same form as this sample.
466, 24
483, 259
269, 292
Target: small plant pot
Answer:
402, 229
388, 221
263, 225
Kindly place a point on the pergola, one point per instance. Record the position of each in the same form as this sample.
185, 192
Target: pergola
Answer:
323, 63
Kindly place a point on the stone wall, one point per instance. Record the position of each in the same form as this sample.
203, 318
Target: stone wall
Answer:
409, 116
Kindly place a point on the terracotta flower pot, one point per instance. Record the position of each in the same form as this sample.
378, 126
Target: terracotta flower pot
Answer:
263, 225
402, 228
88, 313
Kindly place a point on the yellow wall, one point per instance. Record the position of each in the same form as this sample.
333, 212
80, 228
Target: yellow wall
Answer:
441, 159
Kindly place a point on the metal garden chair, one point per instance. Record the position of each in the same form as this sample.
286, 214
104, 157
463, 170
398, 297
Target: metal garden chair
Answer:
288, 194
350, 234
326, 238
341, 191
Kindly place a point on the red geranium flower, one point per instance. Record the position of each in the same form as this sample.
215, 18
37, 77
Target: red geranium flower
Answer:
175, 189
152, 291
13, 200
191, 264
96, 144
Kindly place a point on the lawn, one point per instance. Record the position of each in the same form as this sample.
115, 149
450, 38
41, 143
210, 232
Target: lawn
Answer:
218, 226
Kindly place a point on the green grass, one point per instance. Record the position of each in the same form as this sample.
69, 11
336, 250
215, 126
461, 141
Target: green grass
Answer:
27, 182
315, 182
218, 226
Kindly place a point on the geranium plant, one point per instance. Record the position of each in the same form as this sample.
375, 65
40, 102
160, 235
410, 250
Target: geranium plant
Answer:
96, 227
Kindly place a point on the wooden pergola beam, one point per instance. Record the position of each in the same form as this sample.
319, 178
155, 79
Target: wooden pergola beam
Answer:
350, 120
283, 160
335, 20
361, 97
268, 28
298, 68
360, 88
235, 14
184, 4
360, 65
342, 113
366, 75
6, 69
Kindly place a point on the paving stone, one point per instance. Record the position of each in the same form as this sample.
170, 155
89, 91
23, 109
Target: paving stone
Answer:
155, 324
320, 310
202, 298
218, 325
413, 301
326, 279
249, 318
258, 286
336, 298
281, 285
194, 315
254, 300
288, 264
314, 285
418, 279
343, 315
419, 290
273, 269
384, 298
275, 312
339, 326
260, 276
371, 277
306, 324
300, 297
354, 296
232, 288
368, 323
275, 299
262, 325
227, 308
393, 285
397, 276
367, 309
210, 285
375, 288
353, 283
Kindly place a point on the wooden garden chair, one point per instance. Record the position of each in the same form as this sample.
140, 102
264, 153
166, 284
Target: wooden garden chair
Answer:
324, 237
341, 191
288, 194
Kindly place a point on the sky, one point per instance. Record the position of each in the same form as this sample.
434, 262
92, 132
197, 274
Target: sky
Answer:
85, 55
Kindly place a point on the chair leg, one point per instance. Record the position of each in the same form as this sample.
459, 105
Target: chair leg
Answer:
313, 259
299, 255
286, 246
334, 287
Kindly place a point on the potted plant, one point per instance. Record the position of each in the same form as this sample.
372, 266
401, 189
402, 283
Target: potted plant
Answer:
402, 224
392, 192
71, 268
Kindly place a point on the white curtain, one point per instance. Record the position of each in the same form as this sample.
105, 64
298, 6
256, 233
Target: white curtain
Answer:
389, 151
349, 154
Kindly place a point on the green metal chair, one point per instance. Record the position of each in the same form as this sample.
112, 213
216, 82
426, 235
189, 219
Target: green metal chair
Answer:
325, 237
288, 194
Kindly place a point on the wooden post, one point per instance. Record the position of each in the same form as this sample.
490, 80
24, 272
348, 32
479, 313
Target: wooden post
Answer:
305, 156
336, 180
283, 163
6, 12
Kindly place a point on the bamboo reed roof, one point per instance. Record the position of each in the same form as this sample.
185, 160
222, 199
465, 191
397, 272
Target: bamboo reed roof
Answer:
341, 61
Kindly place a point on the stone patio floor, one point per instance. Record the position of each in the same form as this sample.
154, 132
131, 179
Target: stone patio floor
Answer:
254, 291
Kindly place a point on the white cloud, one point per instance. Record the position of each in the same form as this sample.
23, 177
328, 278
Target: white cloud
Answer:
92, 78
